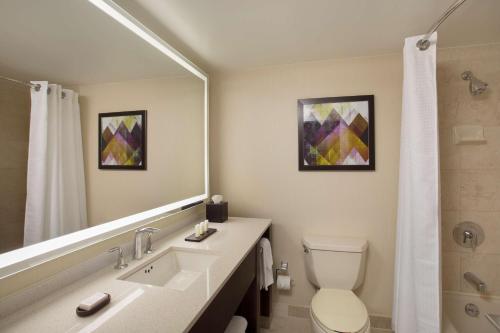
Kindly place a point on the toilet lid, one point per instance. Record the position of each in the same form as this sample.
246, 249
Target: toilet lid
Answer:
339, 310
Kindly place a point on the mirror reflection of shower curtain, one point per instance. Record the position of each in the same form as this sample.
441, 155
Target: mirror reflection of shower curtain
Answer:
55, 201
417, 280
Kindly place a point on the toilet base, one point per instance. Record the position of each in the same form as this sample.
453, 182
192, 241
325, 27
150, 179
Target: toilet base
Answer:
317, 328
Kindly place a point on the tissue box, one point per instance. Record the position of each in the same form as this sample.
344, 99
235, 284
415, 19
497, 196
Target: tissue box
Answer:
217, 212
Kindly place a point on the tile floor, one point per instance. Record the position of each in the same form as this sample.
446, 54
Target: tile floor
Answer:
288, 325
299, 325
295, 319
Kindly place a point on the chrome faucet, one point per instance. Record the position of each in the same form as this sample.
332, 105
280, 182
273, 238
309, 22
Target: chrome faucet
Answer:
149, 244
138, 241
120, 263
475, 281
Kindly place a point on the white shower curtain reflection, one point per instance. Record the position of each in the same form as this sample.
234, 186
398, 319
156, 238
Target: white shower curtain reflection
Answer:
417, 285
55, 201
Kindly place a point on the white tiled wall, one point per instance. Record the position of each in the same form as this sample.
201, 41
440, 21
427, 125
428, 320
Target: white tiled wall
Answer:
470, 173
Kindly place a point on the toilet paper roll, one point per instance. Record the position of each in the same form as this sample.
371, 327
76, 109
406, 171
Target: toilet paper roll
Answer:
283, 282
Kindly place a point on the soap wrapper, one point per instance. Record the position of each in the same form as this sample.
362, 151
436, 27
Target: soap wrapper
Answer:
90, 302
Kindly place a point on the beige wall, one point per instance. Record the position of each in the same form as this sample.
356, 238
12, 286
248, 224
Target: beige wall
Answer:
470, 173
14, 137
254, 164
174, 145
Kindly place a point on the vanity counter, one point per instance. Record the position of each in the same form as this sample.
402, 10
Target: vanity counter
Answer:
137, 307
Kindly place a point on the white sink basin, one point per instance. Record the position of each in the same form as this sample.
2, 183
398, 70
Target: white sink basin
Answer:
176, 268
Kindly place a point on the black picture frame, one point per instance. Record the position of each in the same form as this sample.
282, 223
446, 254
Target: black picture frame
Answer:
371, 133
141, 113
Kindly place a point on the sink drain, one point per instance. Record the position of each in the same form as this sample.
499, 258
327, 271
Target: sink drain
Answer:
472, 310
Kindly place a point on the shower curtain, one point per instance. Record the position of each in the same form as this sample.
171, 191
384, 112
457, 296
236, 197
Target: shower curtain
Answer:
55, 201
417, 289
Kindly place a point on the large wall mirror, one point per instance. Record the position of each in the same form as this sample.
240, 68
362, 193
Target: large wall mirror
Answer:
103, 127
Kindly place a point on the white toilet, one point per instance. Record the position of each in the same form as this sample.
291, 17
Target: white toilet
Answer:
337, 267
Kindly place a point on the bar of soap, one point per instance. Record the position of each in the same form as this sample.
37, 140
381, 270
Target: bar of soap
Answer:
90, 302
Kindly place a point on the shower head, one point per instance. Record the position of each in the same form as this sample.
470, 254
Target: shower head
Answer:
476, 86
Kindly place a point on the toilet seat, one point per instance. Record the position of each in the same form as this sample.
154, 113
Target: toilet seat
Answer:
337, 310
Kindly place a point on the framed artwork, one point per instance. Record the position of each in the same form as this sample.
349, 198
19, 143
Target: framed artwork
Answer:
122, 140
336, 133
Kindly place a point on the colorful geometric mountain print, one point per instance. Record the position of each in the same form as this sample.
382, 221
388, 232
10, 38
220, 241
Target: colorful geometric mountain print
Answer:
121, 140
336, 134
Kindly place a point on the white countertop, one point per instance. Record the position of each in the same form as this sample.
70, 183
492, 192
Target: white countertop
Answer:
143, 308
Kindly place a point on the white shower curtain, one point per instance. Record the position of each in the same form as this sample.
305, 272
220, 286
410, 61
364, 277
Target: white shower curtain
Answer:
417, 290
55, 201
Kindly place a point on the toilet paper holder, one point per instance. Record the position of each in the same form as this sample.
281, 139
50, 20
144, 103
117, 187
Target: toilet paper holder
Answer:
283, 268
283, 275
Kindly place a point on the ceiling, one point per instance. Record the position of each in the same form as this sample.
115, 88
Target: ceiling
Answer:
233, 34
73, 42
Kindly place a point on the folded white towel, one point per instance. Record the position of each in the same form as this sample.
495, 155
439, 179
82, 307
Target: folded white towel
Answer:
266, 271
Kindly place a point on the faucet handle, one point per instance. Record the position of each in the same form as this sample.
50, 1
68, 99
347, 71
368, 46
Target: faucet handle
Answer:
470, 236
141, 230
116, 248
147, 230
120, 263
467, 235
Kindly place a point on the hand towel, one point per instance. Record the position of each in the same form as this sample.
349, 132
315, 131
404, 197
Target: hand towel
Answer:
266, 271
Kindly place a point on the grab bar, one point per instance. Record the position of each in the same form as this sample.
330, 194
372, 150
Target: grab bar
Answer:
475, 281
494, 320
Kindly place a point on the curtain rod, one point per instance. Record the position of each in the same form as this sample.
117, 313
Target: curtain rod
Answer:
27, 84
35, 86
424, 43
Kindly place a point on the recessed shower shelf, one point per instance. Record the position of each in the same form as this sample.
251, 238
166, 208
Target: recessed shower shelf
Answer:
468, 134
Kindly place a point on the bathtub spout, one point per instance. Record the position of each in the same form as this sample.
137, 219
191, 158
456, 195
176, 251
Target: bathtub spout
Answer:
475, 281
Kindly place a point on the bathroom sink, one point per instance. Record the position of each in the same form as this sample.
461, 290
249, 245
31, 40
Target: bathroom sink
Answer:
176, 268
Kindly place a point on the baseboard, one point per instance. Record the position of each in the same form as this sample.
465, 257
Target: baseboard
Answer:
265, 322
288, 310
380, 322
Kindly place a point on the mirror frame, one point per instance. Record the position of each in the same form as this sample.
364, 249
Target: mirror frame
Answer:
23, 258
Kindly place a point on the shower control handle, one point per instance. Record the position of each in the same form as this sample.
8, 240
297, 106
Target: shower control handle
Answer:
470, 236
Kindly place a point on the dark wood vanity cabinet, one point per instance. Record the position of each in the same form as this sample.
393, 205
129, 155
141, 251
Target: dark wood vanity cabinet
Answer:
240, 296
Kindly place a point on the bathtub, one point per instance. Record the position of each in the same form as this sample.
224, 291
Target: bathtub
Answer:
455, 320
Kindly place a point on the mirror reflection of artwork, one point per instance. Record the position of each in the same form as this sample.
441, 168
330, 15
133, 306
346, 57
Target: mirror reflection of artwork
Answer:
53, 86
122, 140
336, 133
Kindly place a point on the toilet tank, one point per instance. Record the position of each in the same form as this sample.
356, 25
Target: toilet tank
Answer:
335, 262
